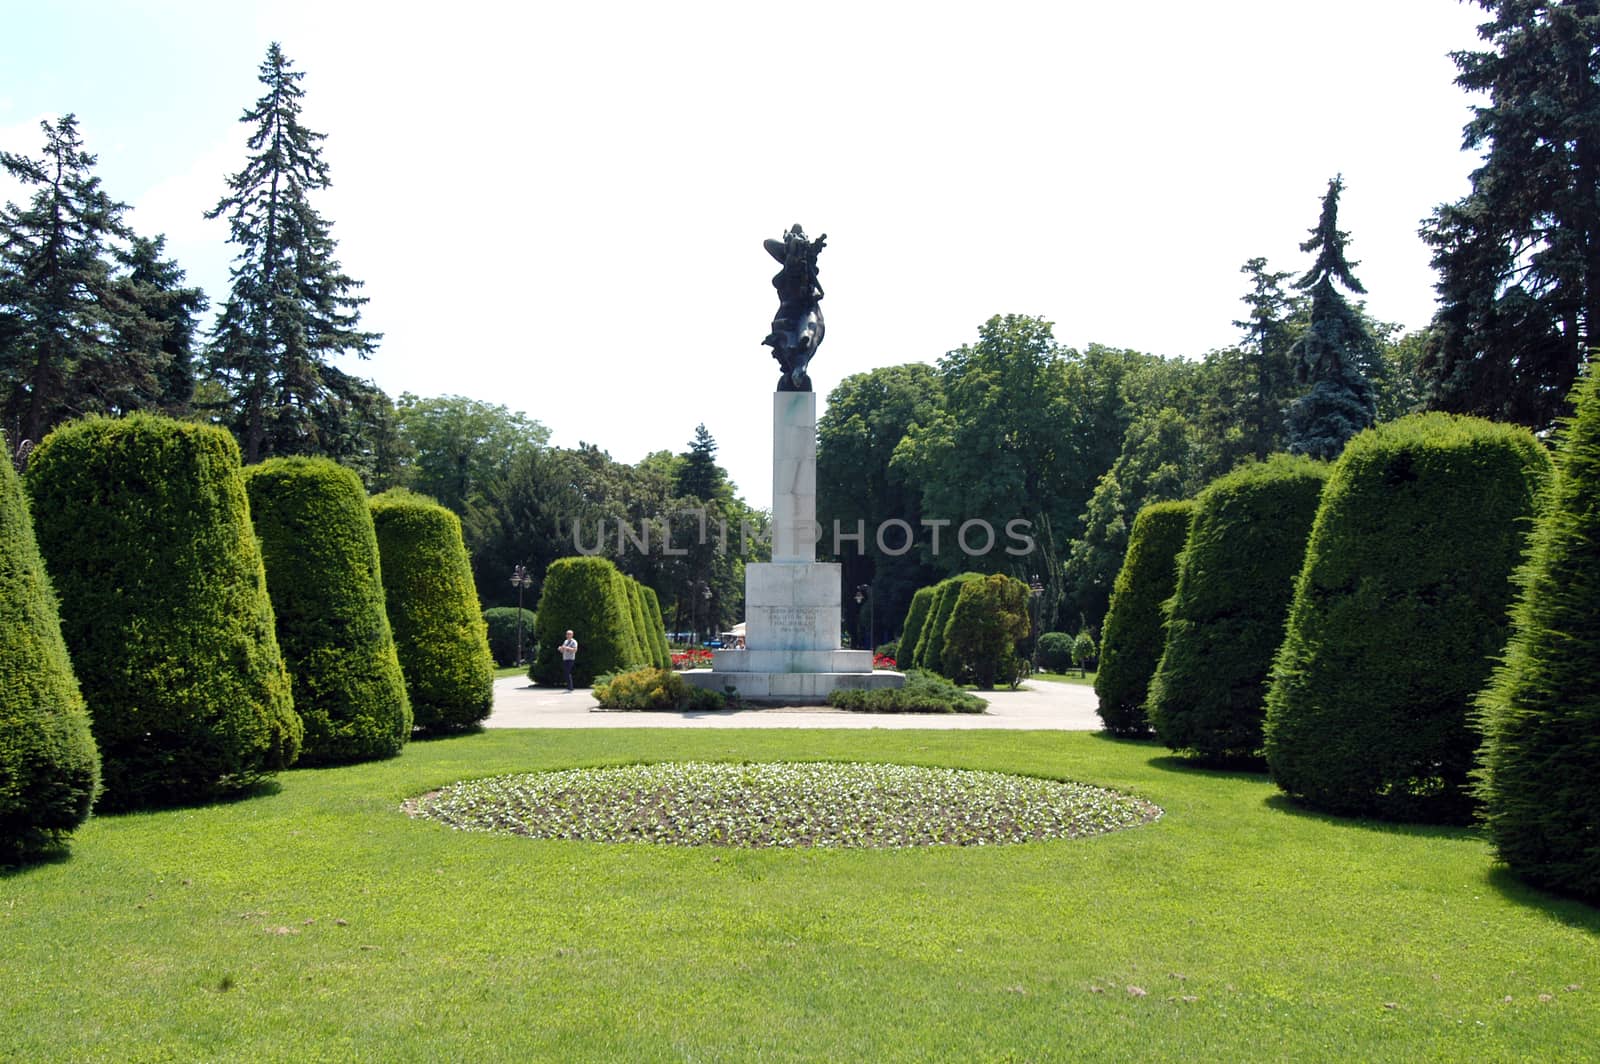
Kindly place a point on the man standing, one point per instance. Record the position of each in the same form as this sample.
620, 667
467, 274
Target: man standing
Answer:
569, 652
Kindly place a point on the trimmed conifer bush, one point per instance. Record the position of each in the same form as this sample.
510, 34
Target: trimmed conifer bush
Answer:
916, 623
501, 622
321, 557
1236, 574
1055, 651
433, 609
587, 595
49, 767
658, 627
641, 633
980, 641
1135, 628
1397, 612
930, 650
1540, 715
145, 529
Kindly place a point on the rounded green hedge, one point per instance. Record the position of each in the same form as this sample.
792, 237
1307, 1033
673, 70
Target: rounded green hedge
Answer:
1540, 774
1055, 651
321, 556
145, 528
1246, 540
501, 623
433, 608
589, 596
49, 766
1135, 628
1397, 612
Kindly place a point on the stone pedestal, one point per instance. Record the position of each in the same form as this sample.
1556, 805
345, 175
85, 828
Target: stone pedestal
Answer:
792, 603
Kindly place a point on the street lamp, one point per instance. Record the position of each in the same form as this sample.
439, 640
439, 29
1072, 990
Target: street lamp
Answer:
705, 593
1035, 592
865, 591
520, 579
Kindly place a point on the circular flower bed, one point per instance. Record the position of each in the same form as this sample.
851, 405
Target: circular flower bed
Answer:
827, 804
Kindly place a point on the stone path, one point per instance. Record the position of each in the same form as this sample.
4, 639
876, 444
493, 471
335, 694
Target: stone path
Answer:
1040, 705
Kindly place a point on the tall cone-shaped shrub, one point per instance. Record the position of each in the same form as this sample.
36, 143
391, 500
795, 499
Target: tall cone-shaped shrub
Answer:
49, 767
586, 595
1135, 627
1540, 771
916, 624
321, 557
930, 649
1398, 611
641, 634
990, 615
432, 603
658, 628
1235, 579
145, 529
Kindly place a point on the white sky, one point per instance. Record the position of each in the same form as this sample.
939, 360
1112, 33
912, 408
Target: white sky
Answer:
560, 206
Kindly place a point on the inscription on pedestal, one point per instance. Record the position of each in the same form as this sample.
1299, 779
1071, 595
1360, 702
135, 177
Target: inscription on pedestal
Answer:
792, 622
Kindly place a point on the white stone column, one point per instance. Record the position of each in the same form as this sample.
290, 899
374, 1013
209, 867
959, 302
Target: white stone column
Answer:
794, 477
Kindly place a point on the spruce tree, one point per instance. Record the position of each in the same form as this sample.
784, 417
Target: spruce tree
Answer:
1519, 277
60, 294
1329, 358
291, 307
1268, 362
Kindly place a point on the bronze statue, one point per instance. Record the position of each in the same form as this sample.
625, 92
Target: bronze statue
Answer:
797, 330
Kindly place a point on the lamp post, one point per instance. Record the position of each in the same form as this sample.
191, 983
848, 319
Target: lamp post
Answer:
865, 591
520, 579
1035, 592
705, 593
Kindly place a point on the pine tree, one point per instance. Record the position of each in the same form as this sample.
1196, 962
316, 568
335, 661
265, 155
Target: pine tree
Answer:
1330, 357
167, 323
1269, 369
291, 306
1519, 256
57, 286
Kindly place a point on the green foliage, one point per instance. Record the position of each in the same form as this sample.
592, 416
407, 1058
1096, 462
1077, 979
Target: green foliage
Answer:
1235, 578
1398, 610
990, 615
457, 448
321, 557
930, 649
1331, 355
92, 318
588, 596
49, 767
1519, 282
648, 687
291, 307
889, 650
1540, 780
145, 528
501, 622
1055, 651
438, 629
1135, 629
924, 692
661, 654
641, 634
1084, 651
916, 625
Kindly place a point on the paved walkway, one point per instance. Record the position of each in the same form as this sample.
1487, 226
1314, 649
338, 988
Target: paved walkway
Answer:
1040, 705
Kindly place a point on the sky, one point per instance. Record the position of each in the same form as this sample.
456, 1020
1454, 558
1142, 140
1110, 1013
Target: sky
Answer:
560, 207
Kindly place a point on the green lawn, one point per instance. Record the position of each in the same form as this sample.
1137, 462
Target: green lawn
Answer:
319, 923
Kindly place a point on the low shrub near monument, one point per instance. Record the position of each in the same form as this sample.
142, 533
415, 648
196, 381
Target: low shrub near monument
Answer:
924, 692
652, 688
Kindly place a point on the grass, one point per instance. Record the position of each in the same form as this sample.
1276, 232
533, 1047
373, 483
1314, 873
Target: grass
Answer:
1072, 676
501, 671
318, 922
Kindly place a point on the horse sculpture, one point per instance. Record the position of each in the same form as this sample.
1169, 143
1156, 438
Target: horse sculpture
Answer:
797, 330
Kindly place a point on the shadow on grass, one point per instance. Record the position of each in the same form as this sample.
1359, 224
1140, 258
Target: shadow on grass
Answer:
1282, 803
261, 788
447, 733
1191, 767
38, 856
1570, 911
